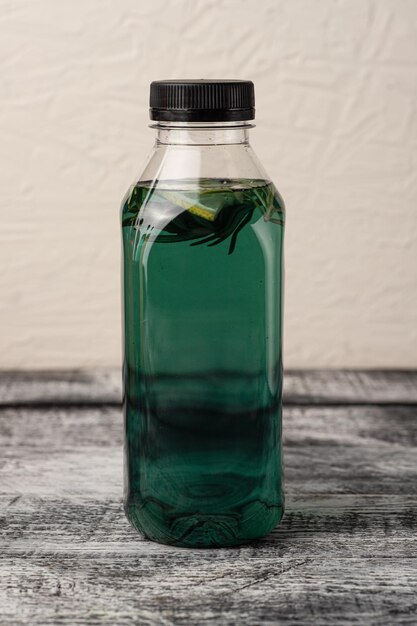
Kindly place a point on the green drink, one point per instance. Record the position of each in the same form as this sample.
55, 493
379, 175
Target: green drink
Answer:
203, 372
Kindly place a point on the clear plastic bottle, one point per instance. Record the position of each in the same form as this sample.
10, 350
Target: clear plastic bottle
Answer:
202, 251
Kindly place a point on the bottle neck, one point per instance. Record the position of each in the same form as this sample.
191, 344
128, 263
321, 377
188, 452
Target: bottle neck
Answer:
205, 150
202, 133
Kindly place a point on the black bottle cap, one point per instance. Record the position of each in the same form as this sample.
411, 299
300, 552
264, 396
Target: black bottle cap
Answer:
202, 100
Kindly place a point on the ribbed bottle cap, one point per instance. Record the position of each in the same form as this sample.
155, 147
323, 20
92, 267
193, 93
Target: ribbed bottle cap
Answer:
202, 100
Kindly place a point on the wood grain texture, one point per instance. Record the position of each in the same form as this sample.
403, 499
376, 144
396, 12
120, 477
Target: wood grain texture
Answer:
345, 553
104, 387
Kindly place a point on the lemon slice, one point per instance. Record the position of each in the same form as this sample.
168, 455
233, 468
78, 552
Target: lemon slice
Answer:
189, 204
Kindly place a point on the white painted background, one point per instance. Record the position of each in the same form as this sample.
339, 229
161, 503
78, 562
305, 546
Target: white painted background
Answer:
336, 87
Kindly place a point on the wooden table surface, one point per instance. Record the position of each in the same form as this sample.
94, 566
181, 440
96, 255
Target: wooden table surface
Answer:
345, 553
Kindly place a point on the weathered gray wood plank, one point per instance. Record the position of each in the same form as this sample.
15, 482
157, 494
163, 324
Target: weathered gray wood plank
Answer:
369, 450
300, 387
226, 588
333, 560
314, 525
345, 553
314, 387
60, 387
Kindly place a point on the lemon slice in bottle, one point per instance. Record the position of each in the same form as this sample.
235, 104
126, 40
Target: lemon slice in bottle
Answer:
213, 203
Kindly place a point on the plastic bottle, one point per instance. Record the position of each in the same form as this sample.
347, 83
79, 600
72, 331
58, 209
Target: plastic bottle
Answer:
202, 259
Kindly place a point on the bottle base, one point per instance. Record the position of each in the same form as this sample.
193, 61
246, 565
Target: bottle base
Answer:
206, 530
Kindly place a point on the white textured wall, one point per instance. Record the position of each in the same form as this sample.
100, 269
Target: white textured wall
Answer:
336, 86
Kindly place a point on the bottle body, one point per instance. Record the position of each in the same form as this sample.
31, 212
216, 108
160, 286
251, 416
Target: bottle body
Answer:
203, 370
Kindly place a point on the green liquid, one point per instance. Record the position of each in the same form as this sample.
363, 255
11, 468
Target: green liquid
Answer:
203, 373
